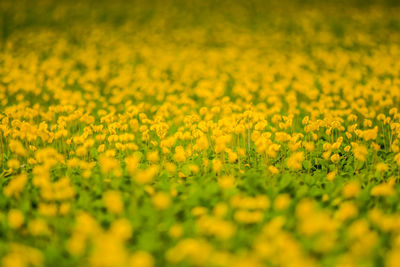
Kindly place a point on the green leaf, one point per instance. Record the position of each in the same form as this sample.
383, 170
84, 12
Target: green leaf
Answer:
285, 181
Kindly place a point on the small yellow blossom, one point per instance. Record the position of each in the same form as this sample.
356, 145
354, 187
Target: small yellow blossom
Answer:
15, 218
113, 202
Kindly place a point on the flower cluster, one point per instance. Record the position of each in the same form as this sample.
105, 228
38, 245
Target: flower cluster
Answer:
133, 138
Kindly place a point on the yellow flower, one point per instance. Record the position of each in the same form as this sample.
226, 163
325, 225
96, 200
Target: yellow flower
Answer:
215, 226
16, 185
161, 201
272, 169
220, 209
360, 152
370, 134
305, 120
232, 157
31, 161
121, 229
21, 256
201, 143
179, 155
248, 217
335, 158
175, 231
108, 164
221, 142
352, 117
188, 249
132, 163
198, 211
76, 245
382, 167
217, 165
13, 164
170, 167
295, 161
17, 148
14, 260
351, 189
347, 210
282, 202
147, 175
47, 209
327, 146
64, 208
113, 202
309, 146
272, 150
376, 147
81, 151
331, 175
141, 259
15, 218
326, 154
385, 189
108, 250
226, 182
101, 148
38, 227
153, 156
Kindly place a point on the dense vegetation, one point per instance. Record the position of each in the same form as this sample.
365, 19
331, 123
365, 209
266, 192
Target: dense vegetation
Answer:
199, 133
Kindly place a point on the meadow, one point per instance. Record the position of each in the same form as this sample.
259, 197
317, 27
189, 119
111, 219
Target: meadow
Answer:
199, 133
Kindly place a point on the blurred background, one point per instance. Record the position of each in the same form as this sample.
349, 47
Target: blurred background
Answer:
212, 17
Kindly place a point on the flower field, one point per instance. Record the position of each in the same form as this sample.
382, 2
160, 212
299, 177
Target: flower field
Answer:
199, 133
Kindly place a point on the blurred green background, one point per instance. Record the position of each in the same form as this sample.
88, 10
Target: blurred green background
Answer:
213, 15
